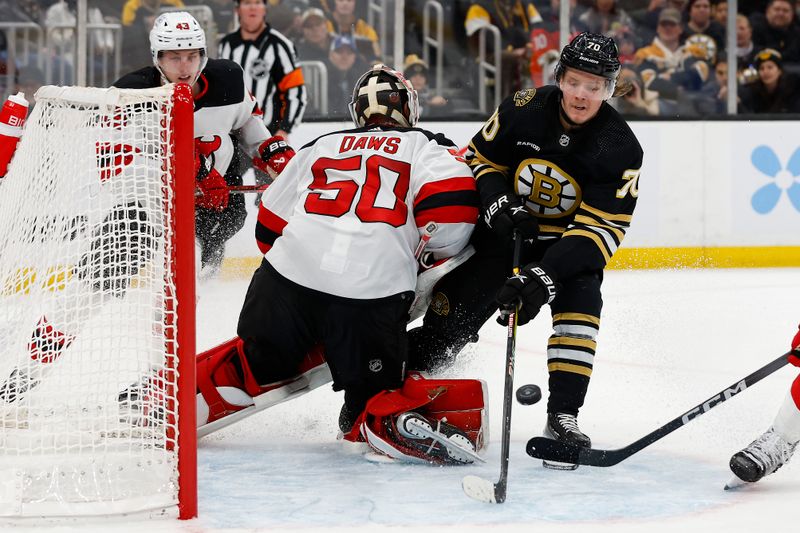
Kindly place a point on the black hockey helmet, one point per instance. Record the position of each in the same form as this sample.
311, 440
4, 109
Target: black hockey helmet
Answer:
592, 53
384, 91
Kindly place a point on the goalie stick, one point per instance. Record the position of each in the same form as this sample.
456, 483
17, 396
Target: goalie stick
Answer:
552, 450
476, 487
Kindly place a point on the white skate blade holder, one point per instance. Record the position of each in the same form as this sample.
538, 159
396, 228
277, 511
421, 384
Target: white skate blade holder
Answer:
735, 483
422, 430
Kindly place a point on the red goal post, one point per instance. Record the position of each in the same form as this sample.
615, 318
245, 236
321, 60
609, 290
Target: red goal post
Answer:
97, 307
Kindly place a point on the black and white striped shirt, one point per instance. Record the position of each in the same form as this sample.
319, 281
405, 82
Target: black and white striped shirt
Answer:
272, 75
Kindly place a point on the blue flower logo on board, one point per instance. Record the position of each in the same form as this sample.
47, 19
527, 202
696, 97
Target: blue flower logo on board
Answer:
783, 179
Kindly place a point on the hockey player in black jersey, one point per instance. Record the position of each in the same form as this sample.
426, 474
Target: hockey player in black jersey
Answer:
561, 166
226, 117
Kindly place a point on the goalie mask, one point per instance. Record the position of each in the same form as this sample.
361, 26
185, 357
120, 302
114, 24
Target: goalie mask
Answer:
383, 91
177, 30
593, 54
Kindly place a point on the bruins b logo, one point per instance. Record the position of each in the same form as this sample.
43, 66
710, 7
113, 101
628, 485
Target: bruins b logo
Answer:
523, 97
551, 192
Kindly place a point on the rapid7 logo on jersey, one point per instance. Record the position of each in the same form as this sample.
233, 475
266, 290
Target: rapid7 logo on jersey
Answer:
337, 183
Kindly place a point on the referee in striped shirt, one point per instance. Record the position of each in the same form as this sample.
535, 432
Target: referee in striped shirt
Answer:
270, 67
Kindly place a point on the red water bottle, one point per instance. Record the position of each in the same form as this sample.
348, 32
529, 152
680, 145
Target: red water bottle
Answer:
12, 118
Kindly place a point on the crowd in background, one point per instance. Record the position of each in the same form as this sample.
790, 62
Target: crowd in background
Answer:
673, 51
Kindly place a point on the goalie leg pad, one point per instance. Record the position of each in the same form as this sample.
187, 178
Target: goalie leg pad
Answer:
224, 381
454, 409
226, 384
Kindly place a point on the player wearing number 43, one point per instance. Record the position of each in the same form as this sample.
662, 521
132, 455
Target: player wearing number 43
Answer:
226, 115
222, 106
339, 230
775, 446
561, 166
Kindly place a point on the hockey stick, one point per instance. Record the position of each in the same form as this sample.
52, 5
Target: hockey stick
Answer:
240, 189
476, 487
552, 450
243, 189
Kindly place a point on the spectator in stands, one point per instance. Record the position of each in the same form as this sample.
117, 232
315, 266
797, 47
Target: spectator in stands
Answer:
315, 45
777, 29
544, 47
345, 66
430, 105
639, 101
605, 17
627, 44
137, 20
670, 69
286, 19
719, 12
514, 19
713, 99
343, 20
745, 49
699, 21
663, 52
270, 67
646, 19
775, 91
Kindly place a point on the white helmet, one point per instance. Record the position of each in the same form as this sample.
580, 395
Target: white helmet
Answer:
384, 91
177, 30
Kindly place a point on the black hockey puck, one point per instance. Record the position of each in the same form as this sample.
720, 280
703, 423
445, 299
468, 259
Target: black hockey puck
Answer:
529, 394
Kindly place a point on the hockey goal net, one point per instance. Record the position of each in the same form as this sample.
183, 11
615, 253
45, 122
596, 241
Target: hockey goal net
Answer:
97, 306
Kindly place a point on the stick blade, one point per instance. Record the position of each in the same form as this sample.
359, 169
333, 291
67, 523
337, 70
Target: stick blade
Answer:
481, 489
553, 450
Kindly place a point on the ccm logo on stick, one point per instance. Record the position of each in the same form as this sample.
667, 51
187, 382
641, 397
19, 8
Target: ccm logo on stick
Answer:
711, 402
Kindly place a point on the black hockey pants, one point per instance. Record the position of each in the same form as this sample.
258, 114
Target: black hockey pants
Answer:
465, 299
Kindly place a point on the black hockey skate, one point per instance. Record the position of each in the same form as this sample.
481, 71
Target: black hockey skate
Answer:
762, 457
563, 427
433, 440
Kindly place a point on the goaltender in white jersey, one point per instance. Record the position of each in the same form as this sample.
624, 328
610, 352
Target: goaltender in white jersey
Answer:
356, 202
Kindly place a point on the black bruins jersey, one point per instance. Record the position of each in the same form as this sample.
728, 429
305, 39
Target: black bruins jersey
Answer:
580, 184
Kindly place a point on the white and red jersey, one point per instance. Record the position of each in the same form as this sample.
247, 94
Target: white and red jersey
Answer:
346, 215
221, 107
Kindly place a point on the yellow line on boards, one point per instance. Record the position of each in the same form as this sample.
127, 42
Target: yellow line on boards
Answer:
716, 257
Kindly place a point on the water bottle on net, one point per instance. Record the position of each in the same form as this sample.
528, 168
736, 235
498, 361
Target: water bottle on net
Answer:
12, 119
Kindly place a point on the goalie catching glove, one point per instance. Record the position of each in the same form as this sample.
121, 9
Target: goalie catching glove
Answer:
273, 156
531, 288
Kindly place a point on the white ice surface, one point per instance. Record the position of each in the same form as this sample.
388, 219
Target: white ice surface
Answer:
668, 340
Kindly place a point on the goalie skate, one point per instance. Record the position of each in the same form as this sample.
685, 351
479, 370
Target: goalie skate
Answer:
436, 438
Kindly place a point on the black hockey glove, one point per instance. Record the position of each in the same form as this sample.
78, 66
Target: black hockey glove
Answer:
506, 211
533, 287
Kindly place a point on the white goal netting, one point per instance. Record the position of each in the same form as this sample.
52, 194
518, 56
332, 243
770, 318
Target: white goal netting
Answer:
88, 373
